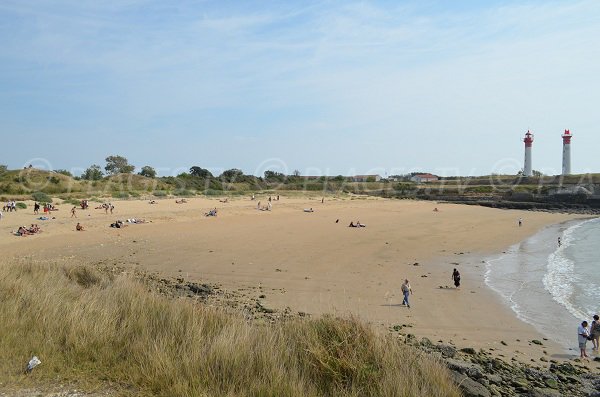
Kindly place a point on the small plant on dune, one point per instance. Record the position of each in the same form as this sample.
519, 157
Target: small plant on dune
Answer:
41, 197
21, 205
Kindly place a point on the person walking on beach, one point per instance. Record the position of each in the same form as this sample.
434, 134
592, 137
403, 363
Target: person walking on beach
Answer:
595, 332
582, 337
73, 215
559, 241
456, 278
520, 222
406, 291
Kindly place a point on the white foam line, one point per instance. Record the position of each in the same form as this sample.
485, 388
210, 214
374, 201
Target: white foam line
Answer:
560, 277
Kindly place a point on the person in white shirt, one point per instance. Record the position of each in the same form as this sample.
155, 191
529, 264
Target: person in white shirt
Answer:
582, 337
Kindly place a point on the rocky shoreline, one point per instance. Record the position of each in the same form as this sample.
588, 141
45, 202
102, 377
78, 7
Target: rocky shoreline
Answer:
479, 374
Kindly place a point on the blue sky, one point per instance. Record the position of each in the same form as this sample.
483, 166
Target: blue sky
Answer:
325, 87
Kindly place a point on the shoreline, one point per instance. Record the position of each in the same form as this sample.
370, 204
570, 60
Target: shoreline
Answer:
522, 286
310, 264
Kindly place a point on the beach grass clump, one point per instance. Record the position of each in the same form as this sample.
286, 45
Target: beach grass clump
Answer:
93, 328
41, 197
21, 205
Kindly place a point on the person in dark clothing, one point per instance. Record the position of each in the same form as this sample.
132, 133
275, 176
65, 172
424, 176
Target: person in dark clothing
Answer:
456, 278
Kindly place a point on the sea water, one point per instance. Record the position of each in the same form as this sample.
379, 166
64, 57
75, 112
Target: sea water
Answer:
553, 287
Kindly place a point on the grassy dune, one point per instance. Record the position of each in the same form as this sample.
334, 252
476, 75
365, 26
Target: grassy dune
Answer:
95, 330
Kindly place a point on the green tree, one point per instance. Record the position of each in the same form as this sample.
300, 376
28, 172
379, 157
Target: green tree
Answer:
272, 176
93, 173
118, 165
231, 175
3, 168
148, 172
200, 172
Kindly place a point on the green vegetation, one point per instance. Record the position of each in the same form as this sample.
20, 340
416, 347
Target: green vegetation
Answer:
118, 165
93, 329
22, 183
148, 172
41, 197
21, 205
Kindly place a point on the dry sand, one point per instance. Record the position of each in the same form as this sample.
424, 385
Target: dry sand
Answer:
310, 263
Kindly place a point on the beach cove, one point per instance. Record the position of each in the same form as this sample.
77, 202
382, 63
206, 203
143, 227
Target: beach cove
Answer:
310, 263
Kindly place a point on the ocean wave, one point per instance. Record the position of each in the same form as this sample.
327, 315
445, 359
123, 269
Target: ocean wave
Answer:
561, 280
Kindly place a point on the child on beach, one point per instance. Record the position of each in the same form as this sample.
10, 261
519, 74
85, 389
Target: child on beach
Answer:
406, 291
582, 337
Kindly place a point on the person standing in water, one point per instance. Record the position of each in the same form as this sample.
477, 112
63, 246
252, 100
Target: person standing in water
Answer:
456, 278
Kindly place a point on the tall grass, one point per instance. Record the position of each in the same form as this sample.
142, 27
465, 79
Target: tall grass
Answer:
94, 329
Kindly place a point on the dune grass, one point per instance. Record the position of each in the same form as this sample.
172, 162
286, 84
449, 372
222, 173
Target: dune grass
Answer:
93, 329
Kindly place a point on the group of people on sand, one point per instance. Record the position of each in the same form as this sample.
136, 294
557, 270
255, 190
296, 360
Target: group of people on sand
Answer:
267, 207
357, 224
28, 231
10, 206
182, 201
106, 207
586, 333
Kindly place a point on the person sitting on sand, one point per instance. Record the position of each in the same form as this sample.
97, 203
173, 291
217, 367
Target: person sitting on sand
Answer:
79, 227
225, 200
309, 210
358, 224
154, 202
212, 212
118, 224
456, 278
436, 210
136, 221
352, 224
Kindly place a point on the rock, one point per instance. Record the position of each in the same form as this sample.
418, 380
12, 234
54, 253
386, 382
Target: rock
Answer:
447, 350
468, 350
537, 342
472, 370
468, 386
426, 342
551, 383
544, 393
503, 343
520, 383
494, 379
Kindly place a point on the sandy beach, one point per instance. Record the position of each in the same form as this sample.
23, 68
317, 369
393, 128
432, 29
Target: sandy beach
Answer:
313, 264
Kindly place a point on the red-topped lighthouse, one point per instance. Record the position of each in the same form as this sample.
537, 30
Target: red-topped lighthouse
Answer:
527, 169
566, 165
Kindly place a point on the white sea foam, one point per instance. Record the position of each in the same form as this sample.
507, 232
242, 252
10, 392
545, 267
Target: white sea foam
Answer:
561, 279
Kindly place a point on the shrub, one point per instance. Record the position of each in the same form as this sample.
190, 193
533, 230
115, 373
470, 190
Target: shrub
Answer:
41, 197
183, 192
160, 193
120, 195
21, 205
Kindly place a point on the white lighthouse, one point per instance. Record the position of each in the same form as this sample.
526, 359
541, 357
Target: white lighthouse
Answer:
566, 166
527, 170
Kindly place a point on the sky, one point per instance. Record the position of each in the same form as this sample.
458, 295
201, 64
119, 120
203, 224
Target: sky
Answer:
322, 87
